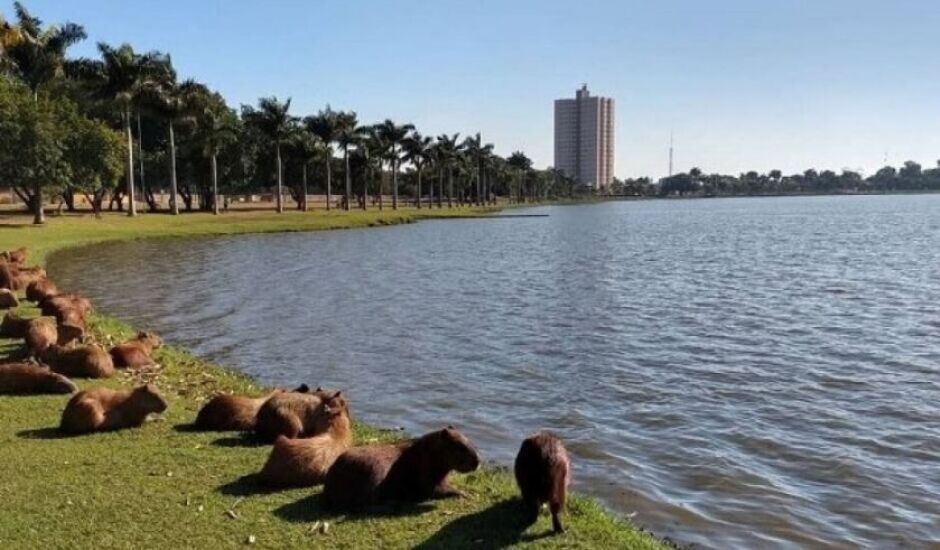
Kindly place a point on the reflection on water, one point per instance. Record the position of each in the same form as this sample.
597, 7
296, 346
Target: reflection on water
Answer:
750, 372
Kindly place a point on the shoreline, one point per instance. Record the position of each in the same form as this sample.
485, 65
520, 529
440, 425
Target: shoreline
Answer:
188, 381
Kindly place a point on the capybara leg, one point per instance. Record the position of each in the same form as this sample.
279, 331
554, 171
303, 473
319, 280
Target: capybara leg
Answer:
531, 509
555, 507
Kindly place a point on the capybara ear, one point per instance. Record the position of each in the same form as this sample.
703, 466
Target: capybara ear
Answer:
337, 394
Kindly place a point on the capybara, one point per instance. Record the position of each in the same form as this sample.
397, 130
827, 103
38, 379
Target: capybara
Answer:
542, 473
70, 316
136, 351
292, 414
8, 299
90, 361
38, 291
16, 257
411, 471
28, 378
7, 276
13, 326
53, 304
24, 276
102, 409
234, 412
41, 334
69, 332
304, 462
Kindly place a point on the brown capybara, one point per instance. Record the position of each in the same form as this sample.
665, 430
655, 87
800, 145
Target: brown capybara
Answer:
16, 257
136, 351
69, 332
411, 471
71, 316
542, 473
41, 334
53, 304
29, 378
90, 361
13, 326
234, 413
7, 276
8, 299
38, 291
304, 462
102, 409
292, 414
24, 276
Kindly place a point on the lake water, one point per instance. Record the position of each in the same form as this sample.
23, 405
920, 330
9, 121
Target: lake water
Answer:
737, 373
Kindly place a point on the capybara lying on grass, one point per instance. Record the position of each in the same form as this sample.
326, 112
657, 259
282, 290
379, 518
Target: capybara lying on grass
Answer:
16, 257
41, 334
234, 412
41, 290
8, 299
292, 414
304, 462
542, 473
29, 378
13, 326
103, 409
7, 276
136, 351
90, 361
62, 302
69, 332
411, 471
24, 276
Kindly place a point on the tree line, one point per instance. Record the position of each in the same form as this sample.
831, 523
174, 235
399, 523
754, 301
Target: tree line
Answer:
125, 125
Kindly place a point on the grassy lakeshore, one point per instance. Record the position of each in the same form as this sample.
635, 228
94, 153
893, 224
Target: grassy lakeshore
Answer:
165, 486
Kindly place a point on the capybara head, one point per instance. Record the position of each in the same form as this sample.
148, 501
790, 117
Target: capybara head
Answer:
335, 405
70, 332
149, 399
456, 450
149, 338
60, 384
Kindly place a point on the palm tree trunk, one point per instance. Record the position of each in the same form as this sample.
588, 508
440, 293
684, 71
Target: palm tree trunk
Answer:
450, 188
440, 189
132, 208
215, 186
370, 174
280, 197
329, 178
140, 154
419, 190
174, 197
39, 216
348, 177
381, 186
304, 203
394, 181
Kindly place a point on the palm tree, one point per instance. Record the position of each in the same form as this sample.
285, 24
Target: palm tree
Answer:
273, 120
347, 134
37, 56
372, 149
394, 135
305, 147
448, 149
120, 77
217, 129
324, 125
418, 153
522, 164
479, 153
9, 36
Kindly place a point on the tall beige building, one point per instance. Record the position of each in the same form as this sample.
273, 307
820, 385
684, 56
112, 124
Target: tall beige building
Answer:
584, 138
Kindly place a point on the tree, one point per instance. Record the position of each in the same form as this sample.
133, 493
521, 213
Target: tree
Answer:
94, 153
325, 125
480, 154
418, 153
305, 147
217, 128
35, 56
273, 120
394, 135
522, 165
347, 135
447, 151
119, 78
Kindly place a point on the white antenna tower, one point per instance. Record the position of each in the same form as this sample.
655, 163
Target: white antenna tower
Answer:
670, 154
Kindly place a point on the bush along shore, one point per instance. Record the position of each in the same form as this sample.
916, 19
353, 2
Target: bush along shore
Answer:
165, 485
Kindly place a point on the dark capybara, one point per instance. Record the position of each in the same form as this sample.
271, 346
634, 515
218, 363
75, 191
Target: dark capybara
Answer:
292, 414
7, 276
542, 473
234, 412
411, 471
8, 299
104, 409
13, 326
89, 361
16, 257
38, 291
29, 378
136, 351
41, 334
53, 304
71, 316
24, 276
69, 333
304, 462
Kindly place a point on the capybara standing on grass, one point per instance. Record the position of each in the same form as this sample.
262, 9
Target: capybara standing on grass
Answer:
41, 290
411, 471
136, 351
28, 378
102, 409
8, 299
41, 334
291, 414
304, 462
13, 326
542, 473
91, 361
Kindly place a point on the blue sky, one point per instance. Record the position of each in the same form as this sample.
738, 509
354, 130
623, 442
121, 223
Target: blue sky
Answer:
744, 84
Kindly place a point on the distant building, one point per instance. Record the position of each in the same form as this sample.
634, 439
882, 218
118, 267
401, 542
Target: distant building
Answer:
584, 138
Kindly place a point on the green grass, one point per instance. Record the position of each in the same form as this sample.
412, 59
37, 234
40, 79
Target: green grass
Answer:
164, 486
